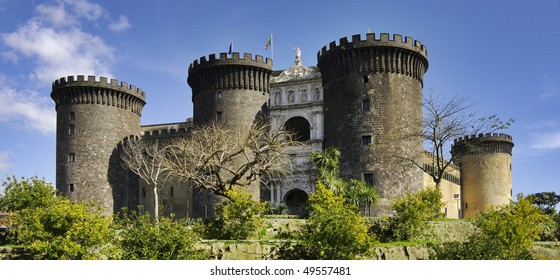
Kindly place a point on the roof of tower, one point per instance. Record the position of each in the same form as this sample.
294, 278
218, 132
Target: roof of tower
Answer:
90, 81
223, 59
383, 41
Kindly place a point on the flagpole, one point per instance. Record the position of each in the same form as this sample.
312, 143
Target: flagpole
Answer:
272, 47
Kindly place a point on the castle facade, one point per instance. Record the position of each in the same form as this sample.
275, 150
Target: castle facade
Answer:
364, 97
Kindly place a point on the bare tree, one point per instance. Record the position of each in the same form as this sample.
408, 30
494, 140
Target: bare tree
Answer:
217, 157
145, 158
444, 121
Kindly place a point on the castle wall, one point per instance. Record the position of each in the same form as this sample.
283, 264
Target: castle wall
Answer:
93, 117
373, 104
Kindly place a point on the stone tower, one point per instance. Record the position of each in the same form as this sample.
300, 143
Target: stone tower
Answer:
373, 105
233, 91
485, 162
93, 117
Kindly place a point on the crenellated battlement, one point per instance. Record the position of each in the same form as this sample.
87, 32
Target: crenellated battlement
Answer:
81, 90
235, 59
488, 143
373, 55
81, 80
502, 137
384, 40
237, 72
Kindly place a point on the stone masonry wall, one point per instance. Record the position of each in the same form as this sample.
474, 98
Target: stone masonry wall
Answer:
92, 119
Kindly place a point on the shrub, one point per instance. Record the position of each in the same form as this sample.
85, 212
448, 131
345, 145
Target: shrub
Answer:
26, 193
276, 208
65, 231
239, 218
414, 210
334, 230
169, 239
506, 232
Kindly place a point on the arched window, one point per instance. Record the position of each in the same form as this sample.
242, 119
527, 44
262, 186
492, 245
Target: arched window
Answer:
299, 126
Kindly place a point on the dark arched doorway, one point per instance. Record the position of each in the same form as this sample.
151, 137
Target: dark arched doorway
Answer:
296, 200
299, 126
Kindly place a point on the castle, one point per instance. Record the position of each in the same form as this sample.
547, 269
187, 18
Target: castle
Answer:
364, 97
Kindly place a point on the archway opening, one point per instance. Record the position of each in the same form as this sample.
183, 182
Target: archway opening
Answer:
300, 127
296, 200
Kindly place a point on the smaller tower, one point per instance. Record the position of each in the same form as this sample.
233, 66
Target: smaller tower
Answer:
485, 162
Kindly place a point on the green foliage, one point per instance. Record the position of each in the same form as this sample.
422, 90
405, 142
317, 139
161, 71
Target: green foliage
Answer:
503, 233
334, 230
327, 163
65, 231
237, 219
26, 193
169, 239
355, 192
547, 201
276, 208
414, 210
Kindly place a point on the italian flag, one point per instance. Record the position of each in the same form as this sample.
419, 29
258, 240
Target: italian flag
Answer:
268, 43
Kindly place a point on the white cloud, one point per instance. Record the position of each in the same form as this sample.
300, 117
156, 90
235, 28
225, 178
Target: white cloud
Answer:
27, 109
58, 45
5, 157
547, 141
120, 25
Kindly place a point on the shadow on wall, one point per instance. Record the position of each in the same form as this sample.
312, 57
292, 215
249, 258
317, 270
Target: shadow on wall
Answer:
124, 183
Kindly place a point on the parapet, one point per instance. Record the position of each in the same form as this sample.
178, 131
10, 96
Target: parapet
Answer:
483, 144
497, 137
383, 41
103, 82
235, 59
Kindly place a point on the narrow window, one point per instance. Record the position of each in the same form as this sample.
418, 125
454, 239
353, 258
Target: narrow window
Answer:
365, 105
71, 129
171, 192
71, 157
366, 79
219, 117
366, 140
219, 95
72, 116
466, 206
71, 187
143, 192
369, 178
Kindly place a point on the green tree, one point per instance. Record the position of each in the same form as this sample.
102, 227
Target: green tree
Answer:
506, 232
26, 193
334, 230
413, 210
169, 239
65, 230
547, 201
239, 218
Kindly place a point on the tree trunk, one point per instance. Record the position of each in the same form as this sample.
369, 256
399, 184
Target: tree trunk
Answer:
156, 205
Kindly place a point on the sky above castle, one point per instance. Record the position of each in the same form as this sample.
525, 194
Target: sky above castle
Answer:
503, 55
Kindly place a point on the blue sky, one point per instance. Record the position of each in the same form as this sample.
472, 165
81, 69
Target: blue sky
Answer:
501, 54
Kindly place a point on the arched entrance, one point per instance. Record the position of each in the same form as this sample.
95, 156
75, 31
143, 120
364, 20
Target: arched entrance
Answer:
300, 127
296, 200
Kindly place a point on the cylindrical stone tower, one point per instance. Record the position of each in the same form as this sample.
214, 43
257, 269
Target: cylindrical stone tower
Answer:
93, 117
485, 162
373, 110
233, 91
